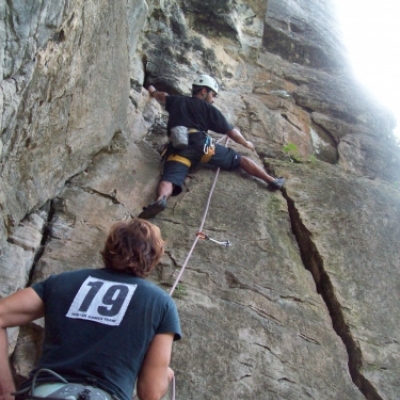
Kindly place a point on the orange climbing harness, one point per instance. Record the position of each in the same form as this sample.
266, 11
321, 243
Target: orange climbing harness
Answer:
183, 160
208, 150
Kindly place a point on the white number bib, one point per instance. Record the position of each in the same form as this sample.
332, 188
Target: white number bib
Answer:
101, 301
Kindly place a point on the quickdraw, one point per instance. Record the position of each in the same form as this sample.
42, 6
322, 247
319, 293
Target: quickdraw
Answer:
207, 145
203, 236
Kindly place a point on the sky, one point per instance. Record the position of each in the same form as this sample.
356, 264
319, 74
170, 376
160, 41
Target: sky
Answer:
371, 33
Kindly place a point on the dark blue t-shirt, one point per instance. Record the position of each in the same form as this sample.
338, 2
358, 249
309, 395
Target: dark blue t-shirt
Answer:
99, 324
193, 112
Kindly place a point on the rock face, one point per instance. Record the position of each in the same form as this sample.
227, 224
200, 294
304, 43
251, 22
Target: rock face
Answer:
304, 304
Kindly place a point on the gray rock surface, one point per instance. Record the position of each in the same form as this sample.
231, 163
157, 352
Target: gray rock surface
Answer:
351, 252
304, 304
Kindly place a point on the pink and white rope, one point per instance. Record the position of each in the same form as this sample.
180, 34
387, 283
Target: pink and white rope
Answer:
201, 225
192, 248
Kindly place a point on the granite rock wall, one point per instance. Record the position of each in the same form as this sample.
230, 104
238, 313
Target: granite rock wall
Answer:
304, 304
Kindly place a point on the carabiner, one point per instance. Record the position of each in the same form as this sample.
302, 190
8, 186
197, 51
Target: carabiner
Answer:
202, 235
207, 145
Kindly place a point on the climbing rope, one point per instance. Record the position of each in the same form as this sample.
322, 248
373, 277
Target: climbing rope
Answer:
200, 234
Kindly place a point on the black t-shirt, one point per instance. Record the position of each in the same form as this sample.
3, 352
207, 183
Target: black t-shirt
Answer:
196, 113
99, 324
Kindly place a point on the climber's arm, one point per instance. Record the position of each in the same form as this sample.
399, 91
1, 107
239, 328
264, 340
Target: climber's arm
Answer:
237, 137
159, 96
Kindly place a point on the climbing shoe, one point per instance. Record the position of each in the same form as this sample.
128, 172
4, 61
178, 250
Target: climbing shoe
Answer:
153, 209
276, 184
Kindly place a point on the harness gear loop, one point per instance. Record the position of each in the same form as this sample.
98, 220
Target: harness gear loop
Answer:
207, 157
207, 144
208, 150
85, 394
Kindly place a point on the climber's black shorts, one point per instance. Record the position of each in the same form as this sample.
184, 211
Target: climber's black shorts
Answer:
176, 171
225, 158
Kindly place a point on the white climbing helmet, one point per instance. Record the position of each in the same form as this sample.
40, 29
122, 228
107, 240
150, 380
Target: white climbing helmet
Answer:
207, 81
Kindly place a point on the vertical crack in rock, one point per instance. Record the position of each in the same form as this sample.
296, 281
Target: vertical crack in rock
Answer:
313, 262
45, 238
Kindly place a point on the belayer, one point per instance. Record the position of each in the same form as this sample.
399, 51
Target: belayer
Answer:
104, 328
192, 118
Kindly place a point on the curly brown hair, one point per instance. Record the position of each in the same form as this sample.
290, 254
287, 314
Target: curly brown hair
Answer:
134, 247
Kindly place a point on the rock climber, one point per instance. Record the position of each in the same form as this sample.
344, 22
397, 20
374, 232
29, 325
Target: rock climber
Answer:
198, 115
103, 327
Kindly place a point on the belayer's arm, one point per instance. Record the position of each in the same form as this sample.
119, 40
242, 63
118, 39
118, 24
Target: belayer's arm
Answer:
155, 374
159, 96
18, 309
